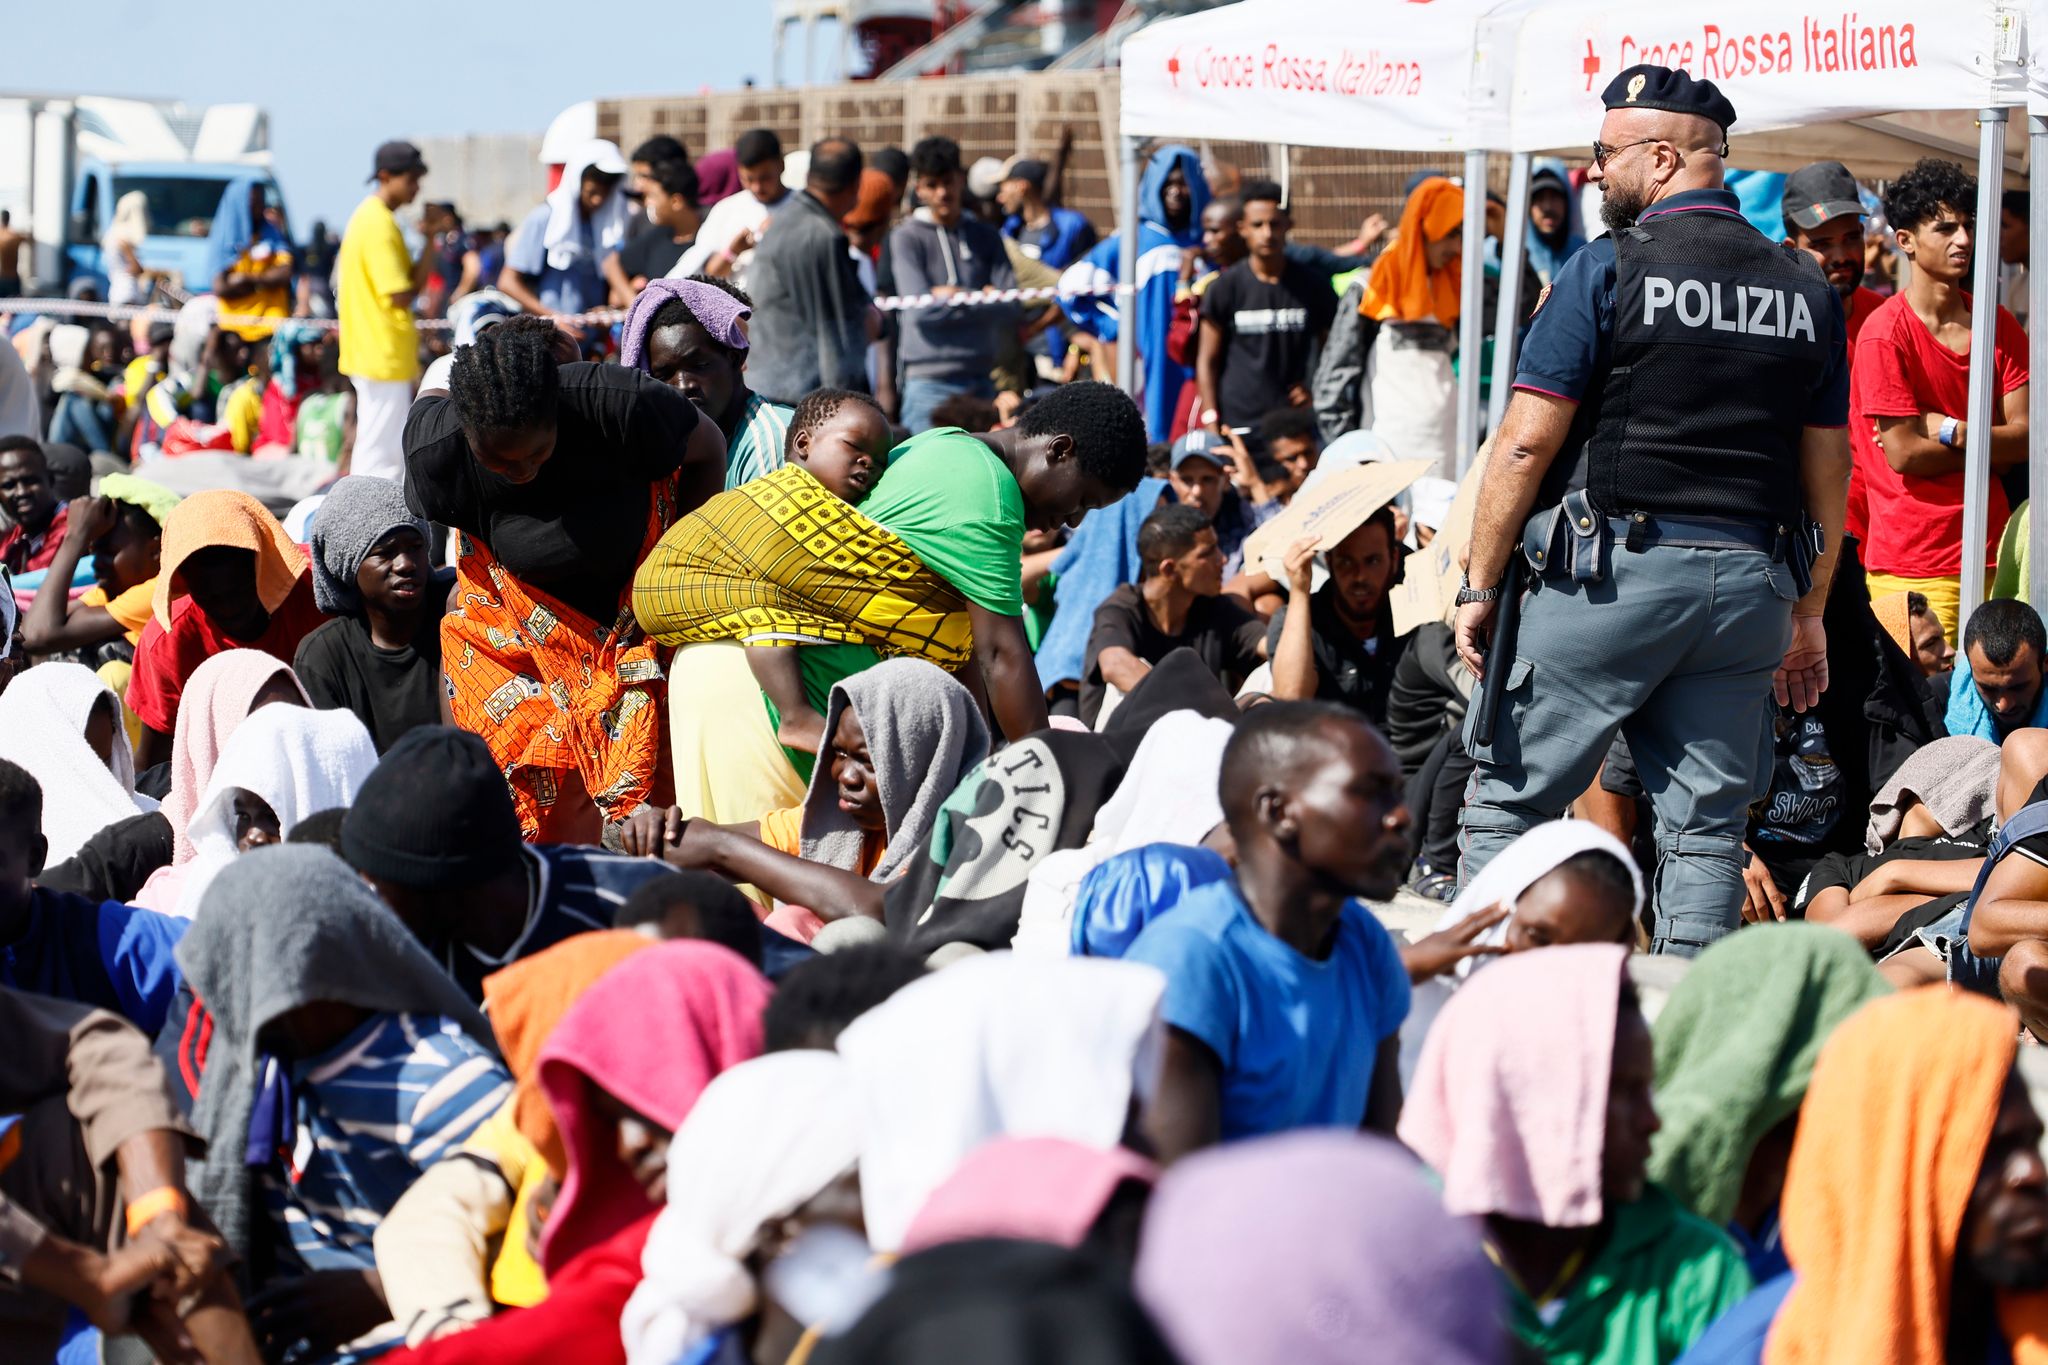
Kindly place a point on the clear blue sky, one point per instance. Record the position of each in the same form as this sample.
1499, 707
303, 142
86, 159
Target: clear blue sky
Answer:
339, 79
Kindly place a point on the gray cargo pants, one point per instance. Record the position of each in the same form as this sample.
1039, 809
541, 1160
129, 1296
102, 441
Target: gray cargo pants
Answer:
1676, 648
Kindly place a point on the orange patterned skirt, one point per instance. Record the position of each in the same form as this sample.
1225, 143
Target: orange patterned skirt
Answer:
552, 691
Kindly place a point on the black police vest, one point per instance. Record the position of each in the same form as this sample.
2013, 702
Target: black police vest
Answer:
1720, 337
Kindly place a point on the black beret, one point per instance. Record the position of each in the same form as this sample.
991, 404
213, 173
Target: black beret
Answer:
1660, 87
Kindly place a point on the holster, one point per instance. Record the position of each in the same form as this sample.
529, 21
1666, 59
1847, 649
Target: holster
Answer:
1571, 538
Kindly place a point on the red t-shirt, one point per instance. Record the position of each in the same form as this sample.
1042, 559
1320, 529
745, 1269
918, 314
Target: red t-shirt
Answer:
1916, 522
165, 658
1862, 304
23, 553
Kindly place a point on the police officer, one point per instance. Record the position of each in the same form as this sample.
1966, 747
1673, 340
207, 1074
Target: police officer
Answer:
1672, 470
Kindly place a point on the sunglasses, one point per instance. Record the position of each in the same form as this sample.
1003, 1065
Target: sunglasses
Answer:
1602, 153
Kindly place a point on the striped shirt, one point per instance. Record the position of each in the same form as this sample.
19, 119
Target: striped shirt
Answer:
572, 890
372, 1113
757, 446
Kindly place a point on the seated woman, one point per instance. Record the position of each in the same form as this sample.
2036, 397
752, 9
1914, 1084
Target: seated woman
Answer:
621, 1072
85, 414
343, 1064
298, 361
903, 736
559, 477
283, 765
1923, 846
63, 725
459, 1244
230, 578
380, 657
1736, 1043
691, 335
122, 530
930, 565
1532, 1105
775, 1140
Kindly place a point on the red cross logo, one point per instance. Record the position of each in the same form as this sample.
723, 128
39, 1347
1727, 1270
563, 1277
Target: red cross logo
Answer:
1173, 68
1591, 66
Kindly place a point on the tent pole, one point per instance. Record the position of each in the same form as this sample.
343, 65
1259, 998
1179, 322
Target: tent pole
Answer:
1983, 341
1513, 252
1471, 326
2036, 589
1127, 275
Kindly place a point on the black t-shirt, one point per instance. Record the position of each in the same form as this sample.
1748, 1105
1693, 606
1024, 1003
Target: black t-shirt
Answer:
651, 255
1269, 331
1359, 673
2036, 847
390, 690
1846, 869
576, 530
1223, 632
114, 863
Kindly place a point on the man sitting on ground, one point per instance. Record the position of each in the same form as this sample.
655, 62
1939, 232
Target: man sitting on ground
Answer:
1339, 643
1284, 996
1177, 603
1201, 476
1292, 441
1996, 687
31, 500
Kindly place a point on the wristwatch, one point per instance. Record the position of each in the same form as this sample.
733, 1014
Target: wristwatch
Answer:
1467, 593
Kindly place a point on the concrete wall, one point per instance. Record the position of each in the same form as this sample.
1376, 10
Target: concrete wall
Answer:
488, 177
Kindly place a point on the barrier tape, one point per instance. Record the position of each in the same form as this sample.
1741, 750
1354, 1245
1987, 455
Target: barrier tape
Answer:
895, 303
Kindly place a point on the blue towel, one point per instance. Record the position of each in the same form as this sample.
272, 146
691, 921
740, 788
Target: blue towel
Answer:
1967, 713
1102, 556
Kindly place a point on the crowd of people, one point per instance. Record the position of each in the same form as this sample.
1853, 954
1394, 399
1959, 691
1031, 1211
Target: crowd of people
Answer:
684, 817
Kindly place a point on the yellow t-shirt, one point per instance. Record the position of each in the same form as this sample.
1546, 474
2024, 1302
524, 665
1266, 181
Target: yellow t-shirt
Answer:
130, 610
270, 301
242, 414
378, 339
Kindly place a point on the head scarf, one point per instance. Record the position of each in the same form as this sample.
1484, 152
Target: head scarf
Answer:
223, 516
924, 734
43, 714
765, 1137
651, 1034
300, 761
527, 999
68, 345
562, 237
1000, 1303
235, 228
152, 498
1034, 1189
718, 177
1956, 778
283, 927
285, 340
131, 219
1891, 1139
877, 202
215, 702
1316, 1248
359, 511
1510, 1100
1528, 860
1894, 611
996, 1046
717, 312
1736, 1043
188, 334
1402, 288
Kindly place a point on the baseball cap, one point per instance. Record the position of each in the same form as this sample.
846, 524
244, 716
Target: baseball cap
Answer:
398, 158
1027, 170
983, 177
1820, 192
1199, 444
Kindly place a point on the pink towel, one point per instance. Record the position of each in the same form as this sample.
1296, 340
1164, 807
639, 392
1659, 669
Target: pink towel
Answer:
1033, 1189
1509, 1105
651, 1033
216, 699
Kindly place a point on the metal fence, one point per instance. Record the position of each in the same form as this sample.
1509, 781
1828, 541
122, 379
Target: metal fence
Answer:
1027, 113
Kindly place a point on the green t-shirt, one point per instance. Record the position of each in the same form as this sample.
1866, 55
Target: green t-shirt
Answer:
1662, 1278
956, 504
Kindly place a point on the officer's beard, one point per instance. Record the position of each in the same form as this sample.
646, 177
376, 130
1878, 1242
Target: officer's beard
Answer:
1621, 205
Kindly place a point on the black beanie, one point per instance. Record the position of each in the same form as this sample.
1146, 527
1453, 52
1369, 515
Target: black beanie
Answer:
435, 814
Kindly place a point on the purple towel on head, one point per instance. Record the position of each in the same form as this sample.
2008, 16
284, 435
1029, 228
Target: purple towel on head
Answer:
716, 311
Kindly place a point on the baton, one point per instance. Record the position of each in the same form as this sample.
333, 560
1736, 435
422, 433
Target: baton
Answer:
1500, 656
